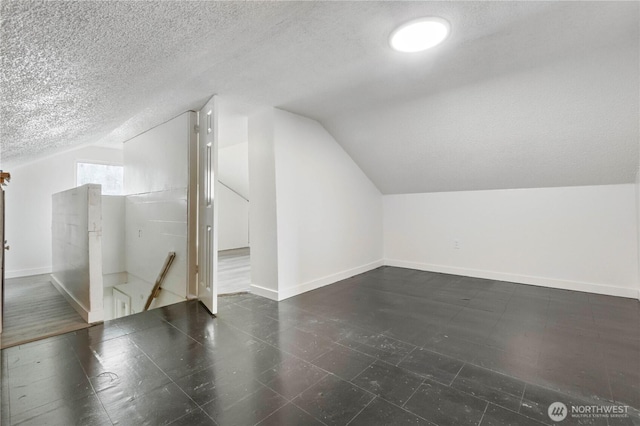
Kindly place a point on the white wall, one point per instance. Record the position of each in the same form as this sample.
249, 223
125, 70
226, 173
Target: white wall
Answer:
233, 219
263, 215
28, 206
158, 159
156, 224
233, 194
113, 235
77, 249
232, 191
233, 128
233, 167
329, 214
579, 238
156, 173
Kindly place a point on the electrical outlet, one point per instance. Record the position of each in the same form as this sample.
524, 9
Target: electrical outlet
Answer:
456, 244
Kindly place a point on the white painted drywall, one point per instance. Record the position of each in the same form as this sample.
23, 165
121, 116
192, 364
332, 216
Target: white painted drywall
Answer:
233, 174
157, 160
28, 206
156, 175
329, 214
77, 249
233, 167
233, 128
113, 235
156, 224
579, 238
263, 215
233, 219
573, 122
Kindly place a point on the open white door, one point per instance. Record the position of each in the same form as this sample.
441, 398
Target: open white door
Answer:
207, 227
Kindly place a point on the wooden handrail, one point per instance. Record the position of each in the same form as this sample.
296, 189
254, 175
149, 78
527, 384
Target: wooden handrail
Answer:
4, 177
163, 273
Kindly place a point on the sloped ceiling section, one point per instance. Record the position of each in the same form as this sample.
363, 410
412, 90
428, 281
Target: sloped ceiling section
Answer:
522, 94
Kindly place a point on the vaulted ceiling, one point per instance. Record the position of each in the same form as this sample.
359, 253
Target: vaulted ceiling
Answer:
522, 94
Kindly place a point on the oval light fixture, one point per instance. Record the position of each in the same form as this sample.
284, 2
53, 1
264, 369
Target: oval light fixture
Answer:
419, 34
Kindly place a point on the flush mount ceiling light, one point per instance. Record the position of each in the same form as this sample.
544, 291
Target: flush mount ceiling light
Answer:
419, 34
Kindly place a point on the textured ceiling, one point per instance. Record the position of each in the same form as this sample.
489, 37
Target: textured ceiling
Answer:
522, 94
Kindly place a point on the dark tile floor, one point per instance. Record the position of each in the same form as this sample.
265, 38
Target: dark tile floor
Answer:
389, 347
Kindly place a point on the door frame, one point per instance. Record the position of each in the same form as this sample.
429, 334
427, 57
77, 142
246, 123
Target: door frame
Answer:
192, 208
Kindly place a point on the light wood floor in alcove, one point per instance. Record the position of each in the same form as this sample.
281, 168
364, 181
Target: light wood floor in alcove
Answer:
33, 310
234, 271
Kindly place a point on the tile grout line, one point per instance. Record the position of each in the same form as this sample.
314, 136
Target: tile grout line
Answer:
365, 369
406, 410
189, 336
412, 394
305, 411
407, 354
290, 401
327, 373
271, 413
516, 412
363, 408
281, 408
75, 354
337, 342
296, 395
172, 381
375, 358
346, 381
247, 396
456, 376
189, 413
483, 413
294, 356
524, 390
275, 347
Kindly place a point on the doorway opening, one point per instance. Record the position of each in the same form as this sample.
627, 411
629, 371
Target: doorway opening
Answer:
234, 252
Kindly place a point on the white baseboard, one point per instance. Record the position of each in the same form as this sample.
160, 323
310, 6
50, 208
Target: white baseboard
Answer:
79, 307
89, 316
329, 279
521, 279
264, 292
27, 272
